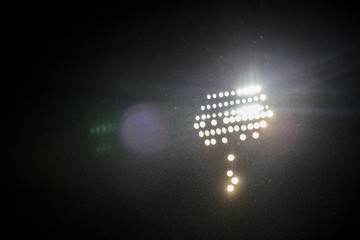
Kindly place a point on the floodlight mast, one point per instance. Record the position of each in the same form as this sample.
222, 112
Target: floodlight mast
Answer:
242, 112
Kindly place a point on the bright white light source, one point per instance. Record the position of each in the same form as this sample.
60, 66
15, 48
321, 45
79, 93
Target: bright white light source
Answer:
208, 96
236, 128
263, 114
220, 105
214, 115
239, 92
233, 112
221, 94
197, 118
232, 119
250, 126
269, 113
214, 95
234, 180
256, 99
213, 122
223, 130
201, 134
226, 120
231, 157
242, 137
203, 117
237, 118
202, 124
207, 142
220, 114
255, 135
208, 106
229, 173
202, 108
243, 128
218, 131
266, 106
226, 104
257, 125
231, 102
226, 113
226, 94
224, 140
208, 116
237, 101
262, 97
243, 100
207, 133
196, 126
214, 105
213, 141
263, 123
212, 132
249, 99
230, 129
232, 93
230, 188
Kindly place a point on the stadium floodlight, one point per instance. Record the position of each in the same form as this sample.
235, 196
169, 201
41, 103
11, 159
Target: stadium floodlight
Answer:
241, 112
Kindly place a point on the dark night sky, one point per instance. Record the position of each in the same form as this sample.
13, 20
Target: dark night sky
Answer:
76, 67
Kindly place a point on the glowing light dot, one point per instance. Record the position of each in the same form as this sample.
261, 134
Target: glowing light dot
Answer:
269, 113
236, 128
232, 93
231, 102
230, 188
249, 99
231, 157
207, 142
256, 99
237, 118
243, 100
197, 118
237, 101
221, 94
203, 117
226, 94
262, 97
242, 137
212, 132
263, 124
230, 129
218, 131
243, 128
196, 125
220, 114
201, 134
266, 106
232, 119
224, 140
208, 116
207, 133
214, 105
214, 95
223, 130
208, 106
234, 180
213, 141
229, 173
214, 115
226, 104
208, 96
220, 104
202, 108
250, 126
226, 120
257, 125
255, 135
202, 124
226, 113
213, 122
233, 112
263, 114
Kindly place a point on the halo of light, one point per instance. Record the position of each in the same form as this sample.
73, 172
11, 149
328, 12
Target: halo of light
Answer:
221, 94
202, 124
226, 113
263, 124
256, 125
213, 141
224, 140
231, 102
214, 95
262, 97
256, 98
232, 119
263, 114
242, 137
208, 106
233, 112
202, 108
236, 128
213, 122
197, 118
234, 180
220, 114
237, 118
255, 135
269, 113
201, 134
226, 120
218, 131
207, 142
243, 128
214, 115
249, 99
223, 130
212, 132
196, 126
208, 96
232, 93
208, 116
266, 107
231, 157
250, 126
230, 129
214, 105
237, 101
207, 133
203, 117
229, 173
226, 94
244, 117
226, 104
230, 188
243, 100
220, 105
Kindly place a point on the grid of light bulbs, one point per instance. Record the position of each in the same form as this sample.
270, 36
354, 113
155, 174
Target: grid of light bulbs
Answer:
244, 112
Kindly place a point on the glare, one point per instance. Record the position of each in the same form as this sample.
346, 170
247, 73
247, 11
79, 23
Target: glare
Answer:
243, 128
223, 130
263, 123
231, 157
208, 96
226, 120
214, 95
237, 101
231, 102
230, 188
269, 113
250, 126
226, 104
237, 118
232, 93
213, 122
266, 106
257, 125
232, 119
249, 99
236, 128
203, 117
197, 118
220, 105
230, 129
220, 114
226, 113
255, 135
263, 114
208, 106
262, 97
212, 132
243, 100
224, 140
226, 94
213, 141
221, 94
256, 99
233, 112
242, 137
229, 173
202, 108
234, 180
244, 117
207, 133
239, 92
218, 131
258, 88
208, 116
201, 134
196, 125
214, 115
214, 105
202, 124
207, 142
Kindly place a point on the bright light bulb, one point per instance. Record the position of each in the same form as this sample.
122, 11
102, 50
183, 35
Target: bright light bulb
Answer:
221, 94
230, 188
202, 124
197, 118
214, 105
236, 128
234, 180
207, 142
201, 134
230, 129
269, 113
255, 135
231, 157
243, 128
218, 131
229, 173
196, 125
214, 95
213, 122
232, 93
242, 137
224, 140
213, 141
226, 94
208, 96
202, 108
262, 97
263, 123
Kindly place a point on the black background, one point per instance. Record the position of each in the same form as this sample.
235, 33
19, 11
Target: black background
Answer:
76, 66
